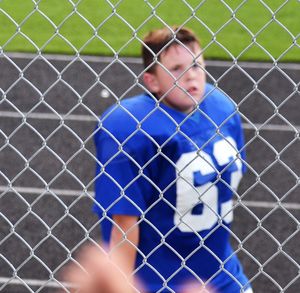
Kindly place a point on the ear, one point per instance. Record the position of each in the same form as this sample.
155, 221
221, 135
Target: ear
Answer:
151, 82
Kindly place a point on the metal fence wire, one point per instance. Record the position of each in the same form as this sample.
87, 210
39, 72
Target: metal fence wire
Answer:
49, 107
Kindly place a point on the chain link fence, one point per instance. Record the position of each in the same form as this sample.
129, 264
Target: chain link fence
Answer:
49, 107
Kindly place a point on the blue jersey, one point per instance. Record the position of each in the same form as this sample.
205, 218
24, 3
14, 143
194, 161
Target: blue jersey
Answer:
178, 173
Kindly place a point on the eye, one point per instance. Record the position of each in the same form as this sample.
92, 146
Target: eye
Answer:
176, 68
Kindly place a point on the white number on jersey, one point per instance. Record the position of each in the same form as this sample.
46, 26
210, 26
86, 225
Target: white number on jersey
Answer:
206, 195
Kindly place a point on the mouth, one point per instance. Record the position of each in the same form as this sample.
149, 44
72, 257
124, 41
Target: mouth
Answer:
193, 90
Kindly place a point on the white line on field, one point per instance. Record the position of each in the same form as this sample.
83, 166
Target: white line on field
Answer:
38, 191
271, 127
133, 60
87, 118
32, 282
67, 192
270, 205
47, 116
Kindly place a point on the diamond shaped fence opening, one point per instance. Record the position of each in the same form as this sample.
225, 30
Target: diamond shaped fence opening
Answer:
64, 112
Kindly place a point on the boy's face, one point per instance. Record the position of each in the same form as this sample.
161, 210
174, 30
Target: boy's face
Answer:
179, 79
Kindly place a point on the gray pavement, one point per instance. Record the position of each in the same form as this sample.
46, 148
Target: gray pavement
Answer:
38, 229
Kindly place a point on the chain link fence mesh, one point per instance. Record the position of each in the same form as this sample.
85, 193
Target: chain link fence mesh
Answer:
48, 110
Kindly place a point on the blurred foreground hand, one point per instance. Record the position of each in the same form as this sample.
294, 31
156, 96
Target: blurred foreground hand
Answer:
94, 272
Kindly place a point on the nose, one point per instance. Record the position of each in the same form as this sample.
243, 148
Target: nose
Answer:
191, 72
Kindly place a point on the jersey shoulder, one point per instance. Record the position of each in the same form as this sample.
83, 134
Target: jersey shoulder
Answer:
135, 120
123, 118
134, 108
217, 105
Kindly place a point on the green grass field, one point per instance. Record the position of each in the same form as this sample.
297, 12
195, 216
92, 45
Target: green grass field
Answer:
100, 27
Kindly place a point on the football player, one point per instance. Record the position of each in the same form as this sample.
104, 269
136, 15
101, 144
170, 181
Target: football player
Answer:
169, 162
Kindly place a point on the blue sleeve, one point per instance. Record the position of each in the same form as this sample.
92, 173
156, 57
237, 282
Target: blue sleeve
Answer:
240, 140
120, 187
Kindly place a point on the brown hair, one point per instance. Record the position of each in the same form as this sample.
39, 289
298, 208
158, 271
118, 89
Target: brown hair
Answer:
158, 41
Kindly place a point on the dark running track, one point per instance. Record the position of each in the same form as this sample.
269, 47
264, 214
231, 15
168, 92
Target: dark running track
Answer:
38, 228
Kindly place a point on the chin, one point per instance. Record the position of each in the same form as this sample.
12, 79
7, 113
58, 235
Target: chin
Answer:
197, 97
188, 109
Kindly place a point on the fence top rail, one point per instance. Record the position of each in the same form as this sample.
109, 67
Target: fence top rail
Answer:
137, 60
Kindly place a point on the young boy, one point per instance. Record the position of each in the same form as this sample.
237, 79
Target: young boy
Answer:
169, 161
